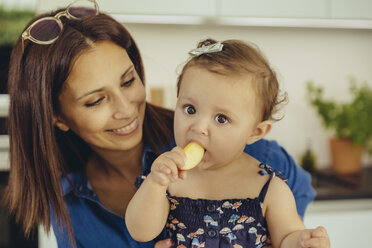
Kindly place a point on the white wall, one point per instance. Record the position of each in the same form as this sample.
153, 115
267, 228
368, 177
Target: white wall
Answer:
327, 56
18, 4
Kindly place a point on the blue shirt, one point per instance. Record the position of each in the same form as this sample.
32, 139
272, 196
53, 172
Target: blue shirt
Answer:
95, 226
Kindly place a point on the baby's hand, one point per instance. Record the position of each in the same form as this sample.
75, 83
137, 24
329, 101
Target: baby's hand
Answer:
314, 238
166, 168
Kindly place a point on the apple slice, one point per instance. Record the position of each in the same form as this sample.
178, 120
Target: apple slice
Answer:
194, 154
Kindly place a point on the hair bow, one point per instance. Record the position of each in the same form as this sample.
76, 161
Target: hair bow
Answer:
216, 47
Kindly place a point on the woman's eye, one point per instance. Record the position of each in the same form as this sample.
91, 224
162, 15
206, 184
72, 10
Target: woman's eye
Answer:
190, 110
128, 83
221, 119
91, 104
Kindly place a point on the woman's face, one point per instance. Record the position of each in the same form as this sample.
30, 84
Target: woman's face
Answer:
103, 99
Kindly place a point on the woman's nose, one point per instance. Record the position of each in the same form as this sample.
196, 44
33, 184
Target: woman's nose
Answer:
122, 108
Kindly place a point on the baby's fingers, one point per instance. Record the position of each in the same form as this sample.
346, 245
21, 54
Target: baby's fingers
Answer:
178, 156
315, 238
316, 243
182, 174
163, 169
167, 243
319, 232
160, 165
304, 236
171, 164
160, 178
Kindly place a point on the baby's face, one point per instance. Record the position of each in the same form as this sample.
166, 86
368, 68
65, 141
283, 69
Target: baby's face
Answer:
219, 112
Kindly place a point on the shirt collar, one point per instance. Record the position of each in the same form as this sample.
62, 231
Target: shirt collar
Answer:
147, 159
79, 183
73, 181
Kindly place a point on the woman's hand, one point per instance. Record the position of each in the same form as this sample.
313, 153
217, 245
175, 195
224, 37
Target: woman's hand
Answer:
166, 243
167, 167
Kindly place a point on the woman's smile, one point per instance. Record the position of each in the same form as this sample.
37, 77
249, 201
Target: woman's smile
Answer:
128, 129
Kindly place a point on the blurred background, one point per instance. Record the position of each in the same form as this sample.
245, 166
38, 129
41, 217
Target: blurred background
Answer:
327, 42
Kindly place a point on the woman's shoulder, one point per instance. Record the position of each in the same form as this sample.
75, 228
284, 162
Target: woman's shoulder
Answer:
271, 153
263, 149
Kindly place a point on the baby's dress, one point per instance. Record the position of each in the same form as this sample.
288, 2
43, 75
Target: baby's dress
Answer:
226, 223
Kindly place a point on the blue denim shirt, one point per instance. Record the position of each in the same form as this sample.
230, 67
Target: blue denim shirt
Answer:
95, 226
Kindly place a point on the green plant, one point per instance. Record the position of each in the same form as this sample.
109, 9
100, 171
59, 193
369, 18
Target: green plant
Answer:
12, 22
351, 120
308, 161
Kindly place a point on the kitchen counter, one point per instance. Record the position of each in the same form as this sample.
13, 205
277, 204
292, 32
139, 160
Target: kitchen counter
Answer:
330, 186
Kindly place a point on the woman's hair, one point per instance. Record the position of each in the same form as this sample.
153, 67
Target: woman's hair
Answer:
238, 57
41, 154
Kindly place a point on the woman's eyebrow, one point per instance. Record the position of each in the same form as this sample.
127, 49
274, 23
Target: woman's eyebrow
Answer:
126, 72
100, 89
88, 93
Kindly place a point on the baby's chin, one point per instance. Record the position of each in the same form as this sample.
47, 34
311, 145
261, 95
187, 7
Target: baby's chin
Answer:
204, 165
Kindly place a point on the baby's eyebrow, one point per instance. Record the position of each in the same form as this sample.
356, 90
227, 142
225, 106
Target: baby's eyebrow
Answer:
185, 99
221, 110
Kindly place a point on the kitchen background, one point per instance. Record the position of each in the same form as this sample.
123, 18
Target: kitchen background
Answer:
326, 41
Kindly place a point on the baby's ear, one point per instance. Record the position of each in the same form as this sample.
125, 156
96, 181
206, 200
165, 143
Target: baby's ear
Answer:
58, 122
259, 132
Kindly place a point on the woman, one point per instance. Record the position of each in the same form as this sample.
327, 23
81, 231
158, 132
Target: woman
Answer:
78, 114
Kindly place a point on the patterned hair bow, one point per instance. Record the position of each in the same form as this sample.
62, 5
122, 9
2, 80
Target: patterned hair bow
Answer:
216, 47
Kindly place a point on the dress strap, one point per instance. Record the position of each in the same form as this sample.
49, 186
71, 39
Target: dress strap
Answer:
266, 169
265, 188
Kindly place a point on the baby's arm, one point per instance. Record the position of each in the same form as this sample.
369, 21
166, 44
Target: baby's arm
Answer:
148, 210
285, 226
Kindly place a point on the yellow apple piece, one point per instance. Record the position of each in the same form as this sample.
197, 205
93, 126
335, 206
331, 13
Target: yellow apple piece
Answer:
194, 154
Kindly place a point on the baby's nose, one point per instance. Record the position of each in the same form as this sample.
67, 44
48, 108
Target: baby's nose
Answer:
201, 127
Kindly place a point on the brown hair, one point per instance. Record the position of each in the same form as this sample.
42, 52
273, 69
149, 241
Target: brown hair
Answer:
238, 57
40, 154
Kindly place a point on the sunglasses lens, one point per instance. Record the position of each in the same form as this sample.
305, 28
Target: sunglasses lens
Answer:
45, 30
82, 9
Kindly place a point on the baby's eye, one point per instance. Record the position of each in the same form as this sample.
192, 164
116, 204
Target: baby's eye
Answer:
221, 119
189, 109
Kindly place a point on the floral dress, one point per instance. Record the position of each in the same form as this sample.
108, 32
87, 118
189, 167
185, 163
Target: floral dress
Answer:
220, 223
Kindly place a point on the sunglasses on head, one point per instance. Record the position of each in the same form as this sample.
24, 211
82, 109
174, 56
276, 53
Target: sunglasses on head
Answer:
46, 30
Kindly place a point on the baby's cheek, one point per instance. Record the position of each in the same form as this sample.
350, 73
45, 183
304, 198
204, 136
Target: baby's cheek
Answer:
180, 132
228, 148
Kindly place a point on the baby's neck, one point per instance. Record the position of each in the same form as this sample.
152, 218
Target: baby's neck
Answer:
229, 167
237, 180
